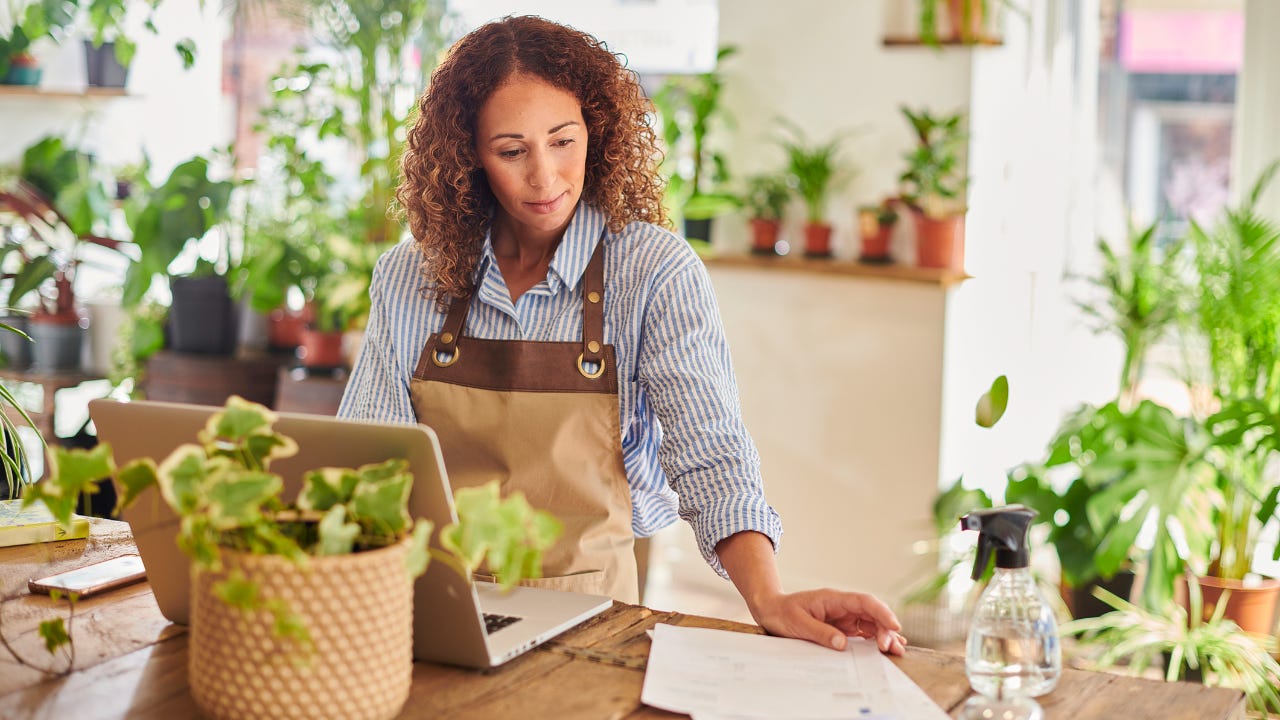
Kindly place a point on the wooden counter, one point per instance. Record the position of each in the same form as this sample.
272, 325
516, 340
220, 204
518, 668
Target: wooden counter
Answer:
132, 663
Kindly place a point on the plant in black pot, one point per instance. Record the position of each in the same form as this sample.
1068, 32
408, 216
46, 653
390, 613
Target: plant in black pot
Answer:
170, 224
109, 51
697, 174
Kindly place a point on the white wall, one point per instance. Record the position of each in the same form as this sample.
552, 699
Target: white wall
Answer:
172, 114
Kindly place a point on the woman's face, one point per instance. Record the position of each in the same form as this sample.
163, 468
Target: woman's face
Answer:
532, 143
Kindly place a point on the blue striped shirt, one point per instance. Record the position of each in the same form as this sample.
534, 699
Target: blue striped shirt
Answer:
685, 448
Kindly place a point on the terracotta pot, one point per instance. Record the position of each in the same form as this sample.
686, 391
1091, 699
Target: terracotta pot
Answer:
939, 241
960, 30
875, 236
764, 236
1252, 608
321, 349
284, 328
817, 240
358, 610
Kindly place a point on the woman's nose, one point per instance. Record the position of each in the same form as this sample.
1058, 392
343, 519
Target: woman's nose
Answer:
541, 171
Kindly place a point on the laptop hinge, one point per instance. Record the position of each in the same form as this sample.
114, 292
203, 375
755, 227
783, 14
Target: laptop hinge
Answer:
635, 662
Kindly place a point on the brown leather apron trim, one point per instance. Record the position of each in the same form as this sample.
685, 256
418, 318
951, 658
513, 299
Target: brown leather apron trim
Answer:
593, 306
520, 366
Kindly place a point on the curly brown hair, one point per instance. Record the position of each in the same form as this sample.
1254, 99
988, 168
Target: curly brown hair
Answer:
443, 191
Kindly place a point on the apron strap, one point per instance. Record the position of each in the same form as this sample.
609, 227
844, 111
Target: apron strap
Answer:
593, 307
454, 323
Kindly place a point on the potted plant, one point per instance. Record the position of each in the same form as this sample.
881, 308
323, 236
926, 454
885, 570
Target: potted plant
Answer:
1199, 644
166, 221
62, 207
875, 228
29, 22
109, 51
967, 20
696, 173
933, 186
1236, 311
765, 201
283, 592
815, 172
15, 465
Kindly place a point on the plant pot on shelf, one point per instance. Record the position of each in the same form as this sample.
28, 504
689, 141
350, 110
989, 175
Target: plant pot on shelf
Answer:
102, 69
358, 609
699, 229
939, 241
321, 349
24, 69
875, 229
105, 321
1252, 607
965, 29
817, 240
57, 342
202, 317
284, 327
764, 236
16, 349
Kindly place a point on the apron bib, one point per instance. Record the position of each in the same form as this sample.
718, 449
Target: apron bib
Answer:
541, 417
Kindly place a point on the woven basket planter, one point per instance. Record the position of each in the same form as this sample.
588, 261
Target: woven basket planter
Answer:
359, 611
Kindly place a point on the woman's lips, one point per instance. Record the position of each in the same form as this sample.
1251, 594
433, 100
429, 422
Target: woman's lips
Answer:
548, 207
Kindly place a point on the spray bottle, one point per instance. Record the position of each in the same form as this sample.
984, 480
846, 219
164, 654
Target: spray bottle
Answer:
1013, 653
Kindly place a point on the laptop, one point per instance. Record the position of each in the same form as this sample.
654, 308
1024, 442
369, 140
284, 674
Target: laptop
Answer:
456, 619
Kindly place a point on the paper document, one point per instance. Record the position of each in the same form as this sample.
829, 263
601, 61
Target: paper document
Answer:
722, 675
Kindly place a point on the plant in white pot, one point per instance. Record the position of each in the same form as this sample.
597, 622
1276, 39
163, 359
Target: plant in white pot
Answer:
301, 610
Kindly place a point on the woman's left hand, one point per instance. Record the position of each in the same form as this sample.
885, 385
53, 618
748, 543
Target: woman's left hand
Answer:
826, 617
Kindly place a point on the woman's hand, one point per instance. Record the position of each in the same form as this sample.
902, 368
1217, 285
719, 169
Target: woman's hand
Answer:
826, 617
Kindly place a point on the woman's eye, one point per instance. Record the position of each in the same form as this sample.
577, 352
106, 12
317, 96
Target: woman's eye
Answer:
564, 142
509, 154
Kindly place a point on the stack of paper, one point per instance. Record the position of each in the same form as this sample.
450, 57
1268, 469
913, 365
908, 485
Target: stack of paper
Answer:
721, 675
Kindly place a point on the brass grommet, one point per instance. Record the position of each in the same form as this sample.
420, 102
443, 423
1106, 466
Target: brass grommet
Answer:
446, 338
435, 357
590, 376
593, 346
593, 297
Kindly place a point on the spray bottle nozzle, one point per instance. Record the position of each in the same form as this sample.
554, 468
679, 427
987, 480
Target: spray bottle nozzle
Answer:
1003, 529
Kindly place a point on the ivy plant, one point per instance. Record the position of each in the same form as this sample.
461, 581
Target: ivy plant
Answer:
223, 490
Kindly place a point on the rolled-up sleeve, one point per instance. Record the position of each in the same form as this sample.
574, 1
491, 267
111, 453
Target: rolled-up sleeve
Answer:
706, 452
378, 389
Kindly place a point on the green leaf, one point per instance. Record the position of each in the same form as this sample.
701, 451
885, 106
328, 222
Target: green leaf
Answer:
337, 537
72, 473
992, 404
55, 634
236, 498
326, 487
186, 49
238, 592
419, 556
133, 479
955, 501
237, 420
182, 478
508, 535
381, 505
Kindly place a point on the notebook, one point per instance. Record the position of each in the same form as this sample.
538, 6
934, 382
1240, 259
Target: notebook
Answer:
35, 524
449, 619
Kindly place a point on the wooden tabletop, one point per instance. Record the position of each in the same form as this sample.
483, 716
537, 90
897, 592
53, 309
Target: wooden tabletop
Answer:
131, 662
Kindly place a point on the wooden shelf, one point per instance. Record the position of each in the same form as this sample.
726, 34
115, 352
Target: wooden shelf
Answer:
914, 41
890, 271
35, 92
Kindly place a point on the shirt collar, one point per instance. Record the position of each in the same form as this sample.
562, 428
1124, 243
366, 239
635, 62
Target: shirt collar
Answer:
570, 261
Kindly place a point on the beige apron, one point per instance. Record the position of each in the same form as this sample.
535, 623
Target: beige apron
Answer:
542, 417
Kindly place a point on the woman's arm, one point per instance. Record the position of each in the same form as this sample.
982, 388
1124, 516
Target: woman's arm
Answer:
824, 617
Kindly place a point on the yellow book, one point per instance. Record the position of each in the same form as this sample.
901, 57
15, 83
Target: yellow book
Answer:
35, 524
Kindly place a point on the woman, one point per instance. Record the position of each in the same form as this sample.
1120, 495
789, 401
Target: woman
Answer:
556, 337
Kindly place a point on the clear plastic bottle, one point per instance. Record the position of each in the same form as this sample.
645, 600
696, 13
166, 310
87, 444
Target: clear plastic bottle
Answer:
1013, 649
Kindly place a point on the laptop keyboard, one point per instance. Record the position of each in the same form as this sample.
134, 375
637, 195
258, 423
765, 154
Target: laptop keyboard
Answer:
494, 622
